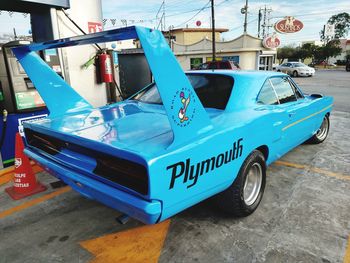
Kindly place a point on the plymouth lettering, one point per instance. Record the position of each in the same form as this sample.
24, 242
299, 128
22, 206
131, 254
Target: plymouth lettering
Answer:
191, 172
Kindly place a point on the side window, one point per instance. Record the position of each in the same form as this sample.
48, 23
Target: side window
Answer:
267, 95
283, 89
296, 90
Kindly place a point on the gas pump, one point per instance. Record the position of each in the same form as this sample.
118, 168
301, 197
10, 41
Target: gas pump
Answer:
19, 100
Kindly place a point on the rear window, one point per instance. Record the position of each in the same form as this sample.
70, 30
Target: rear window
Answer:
213, 90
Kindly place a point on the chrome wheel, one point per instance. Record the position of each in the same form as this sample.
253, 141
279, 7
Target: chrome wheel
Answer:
322, 132
252, 184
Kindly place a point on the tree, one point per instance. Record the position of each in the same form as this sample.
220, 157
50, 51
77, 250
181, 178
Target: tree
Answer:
305, 51
342, 24
286, 52
331, 49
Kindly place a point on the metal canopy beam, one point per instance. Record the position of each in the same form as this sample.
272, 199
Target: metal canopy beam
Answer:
32, 6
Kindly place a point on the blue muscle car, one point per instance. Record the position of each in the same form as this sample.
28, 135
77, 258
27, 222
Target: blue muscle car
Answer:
182, 139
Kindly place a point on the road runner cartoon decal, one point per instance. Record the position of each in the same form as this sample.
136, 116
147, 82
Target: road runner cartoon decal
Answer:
183, 108
182, 111
191, 172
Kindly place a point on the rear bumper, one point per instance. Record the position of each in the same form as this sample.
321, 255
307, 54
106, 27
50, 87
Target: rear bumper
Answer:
147, 212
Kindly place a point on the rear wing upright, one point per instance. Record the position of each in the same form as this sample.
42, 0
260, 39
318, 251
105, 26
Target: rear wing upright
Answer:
184, 110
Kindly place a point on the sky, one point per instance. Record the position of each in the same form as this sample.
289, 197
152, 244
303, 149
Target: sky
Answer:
179, 13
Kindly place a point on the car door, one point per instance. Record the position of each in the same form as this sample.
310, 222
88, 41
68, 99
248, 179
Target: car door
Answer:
299, 126
276, 118
289, 68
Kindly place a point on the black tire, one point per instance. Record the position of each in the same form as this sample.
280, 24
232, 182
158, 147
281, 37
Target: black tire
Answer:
322, 132
348, 68
232, 199
295, 73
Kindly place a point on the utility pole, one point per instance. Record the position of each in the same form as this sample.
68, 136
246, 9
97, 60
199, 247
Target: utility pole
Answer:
266, 21
259, 22
213, 30
164, 15
245, 16
162, 18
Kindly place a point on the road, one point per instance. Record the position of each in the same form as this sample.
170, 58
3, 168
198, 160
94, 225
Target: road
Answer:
334, 83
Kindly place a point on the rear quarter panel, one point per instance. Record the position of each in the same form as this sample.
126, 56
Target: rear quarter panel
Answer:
209, 165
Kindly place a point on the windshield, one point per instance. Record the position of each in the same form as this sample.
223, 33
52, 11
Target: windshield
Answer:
213, 90
299, 65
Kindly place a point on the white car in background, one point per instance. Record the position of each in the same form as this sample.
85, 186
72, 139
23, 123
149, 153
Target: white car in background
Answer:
296, 69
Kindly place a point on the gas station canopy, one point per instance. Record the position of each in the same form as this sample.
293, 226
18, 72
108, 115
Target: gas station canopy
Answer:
29, 6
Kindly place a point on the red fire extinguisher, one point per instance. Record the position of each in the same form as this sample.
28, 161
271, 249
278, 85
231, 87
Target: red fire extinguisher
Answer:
106, 68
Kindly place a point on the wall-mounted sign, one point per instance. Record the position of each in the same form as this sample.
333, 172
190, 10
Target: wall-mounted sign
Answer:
271, 41
289, 25
94, 27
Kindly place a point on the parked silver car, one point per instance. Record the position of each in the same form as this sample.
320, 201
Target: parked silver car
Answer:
296, 69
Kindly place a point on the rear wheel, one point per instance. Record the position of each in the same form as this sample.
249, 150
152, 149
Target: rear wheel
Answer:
244, 195
321, 133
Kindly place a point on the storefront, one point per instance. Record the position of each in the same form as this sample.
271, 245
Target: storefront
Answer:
245, 50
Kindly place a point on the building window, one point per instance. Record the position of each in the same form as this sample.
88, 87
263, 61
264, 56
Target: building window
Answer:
234, 59
195, 62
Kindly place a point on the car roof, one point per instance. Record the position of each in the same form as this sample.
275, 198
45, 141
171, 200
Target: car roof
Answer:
253, 74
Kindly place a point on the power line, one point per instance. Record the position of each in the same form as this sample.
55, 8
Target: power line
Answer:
314, 14
239, 27
200, 10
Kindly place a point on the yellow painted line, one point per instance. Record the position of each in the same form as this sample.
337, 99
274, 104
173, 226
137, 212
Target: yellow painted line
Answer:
33, 202
138, 245
313, 169
6, 170
347, 253
6, 174
305, 118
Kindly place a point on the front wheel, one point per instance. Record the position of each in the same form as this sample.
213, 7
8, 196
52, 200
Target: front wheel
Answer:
244, 195
295, 73
321, 133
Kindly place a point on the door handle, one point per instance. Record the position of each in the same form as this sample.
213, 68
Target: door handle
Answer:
291, 113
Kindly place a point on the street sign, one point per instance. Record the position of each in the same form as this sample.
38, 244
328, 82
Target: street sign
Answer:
329, 30
289, 25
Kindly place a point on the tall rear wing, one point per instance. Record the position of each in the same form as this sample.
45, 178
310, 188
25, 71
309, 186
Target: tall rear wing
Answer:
184, 110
